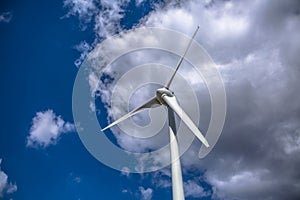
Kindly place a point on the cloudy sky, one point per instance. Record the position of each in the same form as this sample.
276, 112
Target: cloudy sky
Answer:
255, 46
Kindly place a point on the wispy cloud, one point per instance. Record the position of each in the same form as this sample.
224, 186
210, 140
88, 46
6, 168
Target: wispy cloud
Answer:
5, 186
74, 178
146, 194
6, 17
192, 189
84, 48
139, 193
47, 128
84, 9
104, 16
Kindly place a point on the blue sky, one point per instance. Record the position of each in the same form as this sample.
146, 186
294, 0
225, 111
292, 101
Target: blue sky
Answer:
256, 50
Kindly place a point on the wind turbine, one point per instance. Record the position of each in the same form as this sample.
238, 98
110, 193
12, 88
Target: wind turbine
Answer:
167, 98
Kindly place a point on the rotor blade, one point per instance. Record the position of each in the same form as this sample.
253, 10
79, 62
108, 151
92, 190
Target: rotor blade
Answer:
172, 102
181, 59
149, 104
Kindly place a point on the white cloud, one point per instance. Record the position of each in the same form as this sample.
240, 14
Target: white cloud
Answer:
84, 9
105, 15
5, 186
146, 194
47, 128
6, 17
107, 21
84, 48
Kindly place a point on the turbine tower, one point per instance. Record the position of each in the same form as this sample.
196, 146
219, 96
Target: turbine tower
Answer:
167, 98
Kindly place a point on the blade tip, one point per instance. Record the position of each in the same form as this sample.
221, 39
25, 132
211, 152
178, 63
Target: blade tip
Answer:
207, 145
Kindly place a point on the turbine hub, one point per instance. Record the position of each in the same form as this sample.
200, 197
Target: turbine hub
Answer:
162, 92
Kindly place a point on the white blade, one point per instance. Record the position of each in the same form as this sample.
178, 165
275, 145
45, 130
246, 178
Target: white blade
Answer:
181, 59
172, 102
151, 103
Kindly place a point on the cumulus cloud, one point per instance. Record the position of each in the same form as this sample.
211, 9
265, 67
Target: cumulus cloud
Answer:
47, 128
5, 186
255, 45
6, 17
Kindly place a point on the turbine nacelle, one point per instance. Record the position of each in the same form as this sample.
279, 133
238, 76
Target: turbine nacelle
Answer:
161, 92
